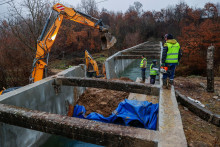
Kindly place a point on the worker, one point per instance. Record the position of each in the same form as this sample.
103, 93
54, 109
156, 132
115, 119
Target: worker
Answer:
153, 71
170, 58
143, 66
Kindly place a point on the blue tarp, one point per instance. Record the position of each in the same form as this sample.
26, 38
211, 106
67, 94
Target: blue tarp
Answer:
129, 113
10, 89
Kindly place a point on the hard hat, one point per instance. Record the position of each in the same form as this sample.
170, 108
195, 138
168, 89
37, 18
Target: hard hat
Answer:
168, 36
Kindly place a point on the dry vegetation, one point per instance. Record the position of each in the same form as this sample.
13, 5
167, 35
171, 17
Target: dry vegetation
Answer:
19, 33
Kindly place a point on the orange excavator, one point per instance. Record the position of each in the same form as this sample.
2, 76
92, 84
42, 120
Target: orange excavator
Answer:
49, 33
95, 70
46, 40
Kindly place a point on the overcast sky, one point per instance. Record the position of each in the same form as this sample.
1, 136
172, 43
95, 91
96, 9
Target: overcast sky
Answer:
123, 5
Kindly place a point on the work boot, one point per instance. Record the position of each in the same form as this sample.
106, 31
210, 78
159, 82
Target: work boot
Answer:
164, 83
171, 82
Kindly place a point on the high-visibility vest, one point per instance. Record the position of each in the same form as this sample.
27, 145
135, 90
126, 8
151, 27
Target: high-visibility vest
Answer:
152, 71
142, 63
172, 53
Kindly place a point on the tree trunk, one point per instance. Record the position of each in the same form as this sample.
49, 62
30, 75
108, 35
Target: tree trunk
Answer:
210, 69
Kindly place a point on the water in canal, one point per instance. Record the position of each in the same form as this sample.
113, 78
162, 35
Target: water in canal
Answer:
132, 71
59, 141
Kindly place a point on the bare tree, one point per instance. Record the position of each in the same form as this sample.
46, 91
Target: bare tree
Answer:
137, 6
88, 7
27, 19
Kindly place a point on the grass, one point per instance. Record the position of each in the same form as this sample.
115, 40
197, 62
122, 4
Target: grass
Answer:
100, 59
59, 64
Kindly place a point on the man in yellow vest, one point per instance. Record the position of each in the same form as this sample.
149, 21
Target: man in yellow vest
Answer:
170, 58
143, 66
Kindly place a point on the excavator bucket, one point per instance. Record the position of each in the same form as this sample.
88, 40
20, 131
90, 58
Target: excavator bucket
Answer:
107, 40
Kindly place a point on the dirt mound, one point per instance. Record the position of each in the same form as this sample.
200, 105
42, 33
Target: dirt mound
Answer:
123, 79
102, 101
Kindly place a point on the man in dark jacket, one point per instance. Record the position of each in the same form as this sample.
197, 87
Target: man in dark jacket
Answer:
153, 71
170, 57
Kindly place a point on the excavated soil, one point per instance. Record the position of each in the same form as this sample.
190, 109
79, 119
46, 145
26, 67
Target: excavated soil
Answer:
102, 101
199, 133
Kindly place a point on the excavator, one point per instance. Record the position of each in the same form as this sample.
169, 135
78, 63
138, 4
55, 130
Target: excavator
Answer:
1, 92
46, 40
95, 71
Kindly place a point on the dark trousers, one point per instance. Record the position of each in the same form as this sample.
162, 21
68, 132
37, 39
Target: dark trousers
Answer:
143, 74
171, 70
152, 79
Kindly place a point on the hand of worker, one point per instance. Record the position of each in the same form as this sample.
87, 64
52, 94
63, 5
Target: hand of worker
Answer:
163, 64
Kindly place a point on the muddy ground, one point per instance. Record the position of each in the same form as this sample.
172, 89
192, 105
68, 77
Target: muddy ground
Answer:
194, 87
199, 133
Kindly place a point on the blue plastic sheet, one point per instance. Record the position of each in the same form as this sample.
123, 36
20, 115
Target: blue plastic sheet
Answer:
129, 113
10, 89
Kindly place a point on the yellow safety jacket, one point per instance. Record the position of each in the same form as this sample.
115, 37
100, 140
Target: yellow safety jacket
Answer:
142, 63
173, 51
152, 71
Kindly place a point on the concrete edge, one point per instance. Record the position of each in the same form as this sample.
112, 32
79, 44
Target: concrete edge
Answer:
125, 50
38, 83
109, 84
24, 88
75, 128
203, 113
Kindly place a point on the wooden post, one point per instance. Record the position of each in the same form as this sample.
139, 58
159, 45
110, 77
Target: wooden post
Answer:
210, 69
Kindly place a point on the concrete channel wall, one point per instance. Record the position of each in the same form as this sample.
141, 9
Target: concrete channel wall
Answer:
40, 96
51, 95
114, 66
117, 63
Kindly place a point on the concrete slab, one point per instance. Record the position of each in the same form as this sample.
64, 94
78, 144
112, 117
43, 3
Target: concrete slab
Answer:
109, 84
80, 129
170, 122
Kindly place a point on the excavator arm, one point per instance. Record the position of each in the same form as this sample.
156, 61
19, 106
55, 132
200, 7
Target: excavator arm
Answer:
47, 39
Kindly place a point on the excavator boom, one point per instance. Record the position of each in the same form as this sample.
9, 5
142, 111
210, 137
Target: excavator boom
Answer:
47, 39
